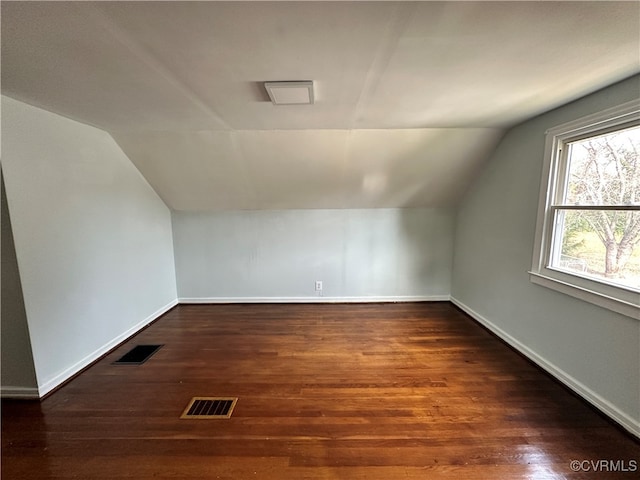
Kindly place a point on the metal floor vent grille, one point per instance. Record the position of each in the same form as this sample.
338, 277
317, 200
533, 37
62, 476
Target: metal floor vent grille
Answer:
209, 407
137, 355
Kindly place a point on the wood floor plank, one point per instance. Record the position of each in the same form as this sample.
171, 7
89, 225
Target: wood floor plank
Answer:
328, 391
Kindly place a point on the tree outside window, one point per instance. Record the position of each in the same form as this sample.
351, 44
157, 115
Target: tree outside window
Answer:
598, 212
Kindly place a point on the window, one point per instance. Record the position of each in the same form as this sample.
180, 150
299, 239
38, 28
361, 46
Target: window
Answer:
588, 232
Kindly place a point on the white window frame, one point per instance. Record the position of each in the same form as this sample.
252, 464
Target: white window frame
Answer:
616, 298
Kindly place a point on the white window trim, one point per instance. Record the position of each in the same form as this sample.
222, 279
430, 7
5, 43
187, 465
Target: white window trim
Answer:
617, 299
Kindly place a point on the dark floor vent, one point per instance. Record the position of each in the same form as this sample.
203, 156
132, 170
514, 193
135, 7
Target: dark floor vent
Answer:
209, 407
137, 355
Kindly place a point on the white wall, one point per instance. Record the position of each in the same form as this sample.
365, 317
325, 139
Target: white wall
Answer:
595, 351
93, 240
383, 254
18, 373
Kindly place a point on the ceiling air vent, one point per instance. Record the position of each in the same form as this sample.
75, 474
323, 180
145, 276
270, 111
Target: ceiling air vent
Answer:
290, 92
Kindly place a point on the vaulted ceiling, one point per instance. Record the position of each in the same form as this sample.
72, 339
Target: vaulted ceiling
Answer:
411, 97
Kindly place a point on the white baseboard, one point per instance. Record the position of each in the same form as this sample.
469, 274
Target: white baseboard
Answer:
19, 393
65, 375
318, 299
627, 422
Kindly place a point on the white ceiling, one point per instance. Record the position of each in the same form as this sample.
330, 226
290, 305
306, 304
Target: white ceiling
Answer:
411, 97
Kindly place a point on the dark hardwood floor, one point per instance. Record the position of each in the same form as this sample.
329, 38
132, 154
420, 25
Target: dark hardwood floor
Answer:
360, 391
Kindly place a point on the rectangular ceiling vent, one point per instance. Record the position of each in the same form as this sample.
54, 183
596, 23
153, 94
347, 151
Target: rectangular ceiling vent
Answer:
209, 407
290, 93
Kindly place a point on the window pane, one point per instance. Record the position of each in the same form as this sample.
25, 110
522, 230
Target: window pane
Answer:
597, 243
605, 170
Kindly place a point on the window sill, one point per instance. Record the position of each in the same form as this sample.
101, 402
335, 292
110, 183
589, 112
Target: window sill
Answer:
617, 305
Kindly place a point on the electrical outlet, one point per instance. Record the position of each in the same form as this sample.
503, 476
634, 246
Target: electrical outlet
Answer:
318, 285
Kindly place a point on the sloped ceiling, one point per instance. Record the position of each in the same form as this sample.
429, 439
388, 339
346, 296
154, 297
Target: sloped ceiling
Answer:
411, 97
